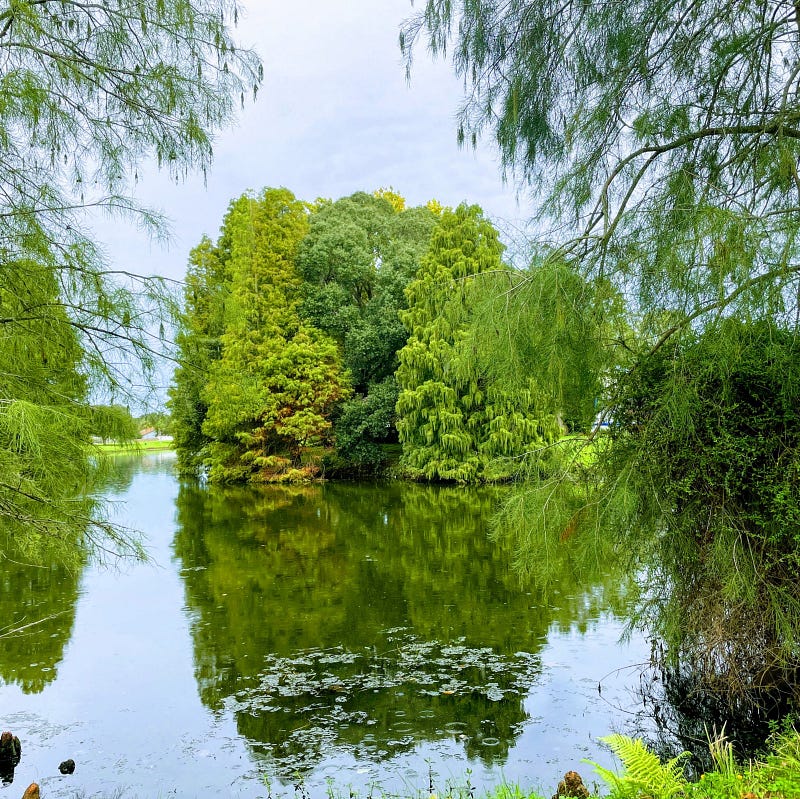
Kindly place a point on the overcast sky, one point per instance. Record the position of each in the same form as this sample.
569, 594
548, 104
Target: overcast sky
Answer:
335, 115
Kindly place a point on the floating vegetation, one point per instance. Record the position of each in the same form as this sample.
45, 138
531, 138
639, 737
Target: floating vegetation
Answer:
432, 667
335, 697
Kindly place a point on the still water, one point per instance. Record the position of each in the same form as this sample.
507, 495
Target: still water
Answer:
284, 640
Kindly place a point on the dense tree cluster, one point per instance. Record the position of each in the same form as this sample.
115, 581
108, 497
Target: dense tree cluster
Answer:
359, 255
312, 334
715, 468
270, 391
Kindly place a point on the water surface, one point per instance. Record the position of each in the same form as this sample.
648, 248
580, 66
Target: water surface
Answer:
282, 638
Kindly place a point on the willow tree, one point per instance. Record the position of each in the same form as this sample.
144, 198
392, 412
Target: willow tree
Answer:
270, 392
88, 92
454, 424
547, 326
663, 137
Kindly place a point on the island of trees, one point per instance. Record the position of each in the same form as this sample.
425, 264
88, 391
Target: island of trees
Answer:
657, 323
316, 336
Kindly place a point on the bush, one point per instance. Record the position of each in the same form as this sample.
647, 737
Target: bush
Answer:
706, 440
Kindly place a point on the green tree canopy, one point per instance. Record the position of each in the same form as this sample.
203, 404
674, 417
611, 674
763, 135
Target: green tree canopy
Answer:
455, 424
270, 392
662, 134
356, 260
88, 93
706, 438
113, 422
201, 325
46, 478
549, 327
90, 90
160, 421
359, 254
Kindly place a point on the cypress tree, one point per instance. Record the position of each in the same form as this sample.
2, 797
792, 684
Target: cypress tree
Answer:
455, 424
202, 324
269, 394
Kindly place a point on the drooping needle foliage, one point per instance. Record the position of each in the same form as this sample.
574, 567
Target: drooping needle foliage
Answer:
455, 424
88, 92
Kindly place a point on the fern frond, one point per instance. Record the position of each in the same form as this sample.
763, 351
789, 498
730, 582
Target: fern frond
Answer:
644, 773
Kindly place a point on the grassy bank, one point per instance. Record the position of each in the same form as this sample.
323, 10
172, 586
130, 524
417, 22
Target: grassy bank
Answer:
135, 447
773, 776
640, 776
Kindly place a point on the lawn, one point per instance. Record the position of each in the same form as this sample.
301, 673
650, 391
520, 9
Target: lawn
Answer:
135, 447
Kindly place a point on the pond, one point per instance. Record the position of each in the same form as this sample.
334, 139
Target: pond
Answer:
284, 640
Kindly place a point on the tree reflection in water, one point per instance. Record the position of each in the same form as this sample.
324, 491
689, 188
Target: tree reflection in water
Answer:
37, 602
366, 617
